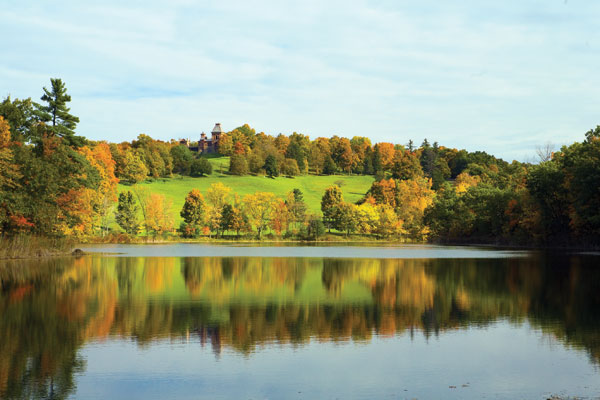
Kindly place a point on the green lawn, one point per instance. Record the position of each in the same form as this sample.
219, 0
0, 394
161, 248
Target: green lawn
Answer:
313, 187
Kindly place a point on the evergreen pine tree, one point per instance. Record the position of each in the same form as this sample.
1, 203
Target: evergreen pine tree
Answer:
56, 113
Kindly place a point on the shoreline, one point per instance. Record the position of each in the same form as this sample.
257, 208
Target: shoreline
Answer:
43, 252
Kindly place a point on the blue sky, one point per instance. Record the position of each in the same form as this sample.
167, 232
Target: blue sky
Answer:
502, 77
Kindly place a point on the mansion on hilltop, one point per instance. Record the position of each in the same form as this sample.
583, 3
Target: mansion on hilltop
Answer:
206, 145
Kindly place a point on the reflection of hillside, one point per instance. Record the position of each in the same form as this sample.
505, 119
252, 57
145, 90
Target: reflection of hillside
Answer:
48, 311
222, 278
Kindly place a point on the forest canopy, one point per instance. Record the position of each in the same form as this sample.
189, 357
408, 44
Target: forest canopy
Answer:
55, 182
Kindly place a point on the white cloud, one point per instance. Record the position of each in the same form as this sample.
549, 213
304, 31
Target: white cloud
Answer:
480, 74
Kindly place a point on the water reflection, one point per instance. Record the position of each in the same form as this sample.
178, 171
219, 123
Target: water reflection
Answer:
49, 310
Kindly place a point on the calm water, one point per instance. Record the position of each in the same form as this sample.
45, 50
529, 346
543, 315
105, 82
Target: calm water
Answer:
231, 322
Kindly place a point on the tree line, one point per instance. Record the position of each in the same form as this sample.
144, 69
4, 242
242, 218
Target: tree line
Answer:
56, 183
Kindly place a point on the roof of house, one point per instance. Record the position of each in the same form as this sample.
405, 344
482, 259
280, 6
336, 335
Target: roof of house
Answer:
217, 128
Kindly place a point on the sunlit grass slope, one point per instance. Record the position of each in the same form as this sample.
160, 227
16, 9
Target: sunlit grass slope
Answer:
313, 187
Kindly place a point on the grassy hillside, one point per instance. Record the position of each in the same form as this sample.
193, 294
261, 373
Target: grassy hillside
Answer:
175, 189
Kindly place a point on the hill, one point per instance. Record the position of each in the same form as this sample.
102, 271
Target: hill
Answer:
312, 186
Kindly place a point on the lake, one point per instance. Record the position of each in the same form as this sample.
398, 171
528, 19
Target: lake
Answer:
193, 321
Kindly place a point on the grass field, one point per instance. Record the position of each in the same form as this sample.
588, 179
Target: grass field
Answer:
313, 187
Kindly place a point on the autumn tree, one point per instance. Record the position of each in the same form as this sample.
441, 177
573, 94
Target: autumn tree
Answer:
413, 196
296, 205
10, 171
280, 216
258, 208
366, 217
388, 224
384, 153
218, 194
158, 219
9, 181
225, 145
102, 199
239, 219
193, 209
406, 165
155, 154
134, 169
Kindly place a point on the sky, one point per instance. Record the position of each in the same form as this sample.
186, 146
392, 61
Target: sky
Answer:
504, 77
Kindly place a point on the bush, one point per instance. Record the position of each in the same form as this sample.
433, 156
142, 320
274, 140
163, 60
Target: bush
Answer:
189, 231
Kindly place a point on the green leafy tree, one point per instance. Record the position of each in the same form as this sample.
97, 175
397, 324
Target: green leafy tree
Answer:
290, 167
58, 180
20, 116
127, 213
56, 113
444, 216
330, 203
201, 167
441, 172
298, 150
580, 163
134, 169
271, 166
182, 159
238, 165
329, 168
346, 218
315, 228
227, 217
546, 185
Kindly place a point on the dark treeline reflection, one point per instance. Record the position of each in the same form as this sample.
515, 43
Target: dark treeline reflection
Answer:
49, 309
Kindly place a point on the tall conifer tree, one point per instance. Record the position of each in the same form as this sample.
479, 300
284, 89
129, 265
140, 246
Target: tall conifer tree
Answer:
57, 115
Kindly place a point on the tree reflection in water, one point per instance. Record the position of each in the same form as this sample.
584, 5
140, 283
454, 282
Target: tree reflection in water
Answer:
50, 309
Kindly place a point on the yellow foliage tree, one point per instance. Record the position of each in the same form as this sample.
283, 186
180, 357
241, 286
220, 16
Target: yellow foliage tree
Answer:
217, 195
464, 181
103, 199
367, 218
413, 197
158, 219
258, 208
388, 223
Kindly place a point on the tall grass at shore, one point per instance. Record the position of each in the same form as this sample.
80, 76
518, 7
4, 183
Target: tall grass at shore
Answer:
25, 246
